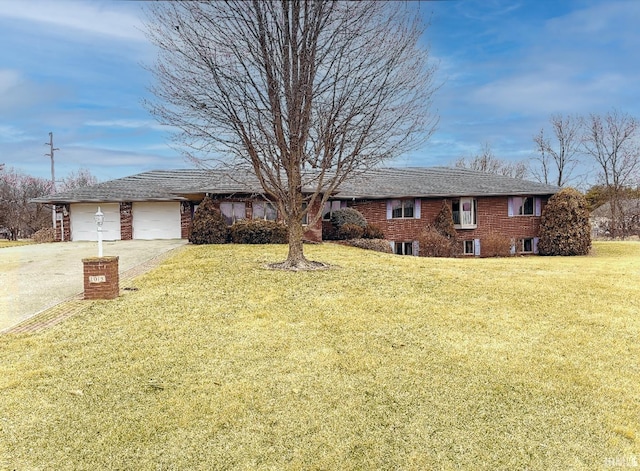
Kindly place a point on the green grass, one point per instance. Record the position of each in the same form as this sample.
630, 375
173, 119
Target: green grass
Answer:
383, 362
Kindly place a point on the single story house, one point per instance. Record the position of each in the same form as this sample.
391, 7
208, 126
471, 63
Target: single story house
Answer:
400, 201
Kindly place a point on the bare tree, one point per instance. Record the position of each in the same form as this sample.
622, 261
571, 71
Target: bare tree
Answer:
487, 162
302, 93
561, 156
17, 213
78, 179
613, 141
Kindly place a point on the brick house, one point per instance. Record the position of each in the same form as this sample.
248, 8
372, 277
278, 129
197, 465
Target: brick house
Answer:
400, 201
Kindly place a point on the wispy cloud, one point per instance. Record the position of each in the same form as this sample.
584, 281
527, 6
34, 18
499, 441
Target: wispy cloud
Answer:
127, 124
114, 19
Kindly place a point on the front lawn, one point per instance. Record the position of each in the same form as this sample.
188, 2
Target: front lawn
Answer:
14, 243
384, 362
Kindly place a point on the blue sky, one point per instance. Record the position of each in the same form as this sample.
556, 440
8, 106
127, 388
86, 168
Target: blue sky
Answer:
75, 68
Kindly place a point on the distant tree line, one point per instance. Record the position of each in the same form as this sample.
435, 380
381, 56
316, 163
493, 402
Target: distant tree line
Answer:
19, 217
608, 144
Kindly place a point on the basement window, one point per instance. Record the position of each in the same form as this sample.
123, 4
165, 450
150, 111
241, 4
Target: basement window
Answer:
526, 245
467, 248
403, 248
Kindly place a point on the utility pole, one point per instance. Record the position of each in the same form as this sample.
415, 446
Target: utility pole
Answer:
53, 174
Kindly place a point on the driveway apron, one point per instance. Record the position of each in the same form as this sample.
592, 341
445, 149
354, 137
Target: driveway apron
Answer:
38, 276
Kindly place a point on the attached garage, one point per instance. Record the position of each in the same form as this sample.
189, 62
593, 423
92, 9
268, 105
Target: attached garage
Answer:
156, 220
83, 222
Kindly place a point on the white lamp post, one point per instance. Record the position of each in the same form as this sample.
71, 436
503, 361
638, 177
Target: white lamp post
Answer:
99, 221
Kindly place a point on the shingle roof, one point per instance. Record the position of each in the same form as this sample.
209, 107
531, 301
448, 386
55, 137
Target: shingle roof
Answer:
174, 185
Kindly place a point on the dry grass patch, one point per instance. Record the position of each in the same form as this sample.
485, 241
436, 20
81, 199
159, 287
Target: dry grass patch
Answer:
14, 243
387, 362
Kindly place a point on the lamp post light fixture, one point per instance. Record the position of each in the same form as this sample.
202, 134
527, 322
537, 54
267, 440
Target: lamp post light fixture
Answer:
99, 217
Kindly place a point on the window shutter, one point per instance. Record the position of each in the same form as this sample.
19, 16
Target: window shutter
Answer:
476, 247
416, 208
393, 246
535, 244
415, 247
538, 203
389, 212
512, 250
510, 207
343, 204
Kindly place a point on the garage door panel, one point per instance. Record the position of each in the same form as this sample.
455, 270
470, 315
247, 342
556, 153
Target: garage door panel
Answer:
156, 220
83, 223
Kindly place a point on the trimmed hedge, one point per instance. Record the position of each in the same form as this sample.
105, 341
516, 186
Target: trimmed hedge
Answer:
209, 226
259, 231
564, 226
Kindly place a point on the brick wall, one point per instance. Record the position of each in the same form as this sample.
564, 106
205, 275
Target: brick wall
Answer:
101, 278
492, 217
126, 221
186, 219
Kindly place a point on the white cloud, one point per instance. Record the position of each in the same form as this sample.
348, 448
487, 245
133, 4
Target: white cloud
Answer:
113, 19
128, 123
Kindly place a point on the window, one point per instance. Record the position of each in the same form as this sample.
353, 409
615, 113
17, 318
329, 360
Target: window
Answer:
468, 247
524, 206
330, 207
403, 248
264, 210
402, 209
305, 217
464, 213
526, 245
471, 247
233, 211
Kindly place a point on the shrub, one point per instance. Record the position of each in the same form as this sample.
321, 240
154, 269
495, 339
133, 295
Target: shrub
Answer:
496, 245
564, 226
44, 235
343, 216
379, 245
444, 222
372, 232
209, 226
259, 231
434, 244
350, 231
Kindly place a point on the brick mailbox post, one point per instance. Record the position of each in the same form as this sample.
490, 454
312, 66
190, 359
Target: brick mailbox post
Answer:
101, 278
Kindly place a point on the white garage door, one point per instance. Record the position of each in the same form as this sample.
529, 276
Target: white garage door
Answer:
83, 222
156, 220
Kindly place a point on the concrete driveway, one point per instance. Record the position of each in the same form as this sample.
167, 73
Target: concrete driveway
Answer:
36, 277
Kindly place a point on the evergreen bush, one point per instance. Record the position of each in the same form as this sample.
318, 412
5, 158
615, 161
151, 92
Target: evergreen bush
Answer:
564, 226
343, 216
259, 231
444, 222
209, 226
350, 231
